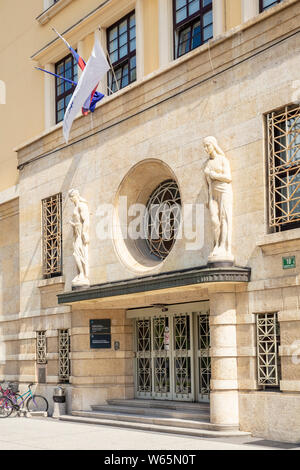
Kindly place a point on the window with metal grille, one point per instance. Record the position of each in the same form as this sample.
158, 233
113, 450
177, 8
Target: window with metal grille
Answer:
121, 46
64, 366
268, 341
265, 4
67, 68
162, 219
52, 235
41, 347
284, 168
193, 24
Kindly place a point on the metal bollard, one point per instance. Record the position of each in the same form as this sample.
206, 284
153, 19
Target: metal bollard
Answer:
59, 399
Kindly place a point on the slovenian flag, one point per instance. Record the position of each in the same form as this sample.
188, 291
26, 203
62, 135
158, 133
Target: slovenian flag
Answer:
85, 95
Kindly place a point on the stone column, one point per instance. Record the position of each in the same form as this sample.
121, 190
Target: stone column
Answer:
224, 400
165, 24
49, 88
218, 17
250, 8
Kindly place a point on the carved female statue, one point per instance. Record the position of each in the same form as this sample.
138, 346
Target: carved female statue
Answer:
80, 224
218, 176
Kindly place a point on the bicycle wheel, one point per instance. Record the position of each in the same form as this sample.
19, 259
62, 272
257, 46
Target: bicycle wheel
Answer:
6, 407
37, 403
17, 400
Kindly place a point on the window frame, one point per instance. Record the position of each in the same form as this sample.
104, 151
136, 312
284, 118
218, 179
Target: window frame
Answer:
65, 94
64, 360
261, 379
47, 270
280, 168
188, 21
261, 5
124, 60
41, 347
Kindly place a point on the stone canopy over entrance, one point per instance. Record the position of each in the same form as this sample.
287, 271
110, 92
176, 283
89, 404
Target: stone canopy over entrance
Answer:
183, 334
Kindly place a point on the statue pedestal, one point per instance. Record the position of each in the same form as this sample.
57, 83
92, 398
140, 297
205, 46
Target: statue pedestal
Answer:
80, 283
219, 261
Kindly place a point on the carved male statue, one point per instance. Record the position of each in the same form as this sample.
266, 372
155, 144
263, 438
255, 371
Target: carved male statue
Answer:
80, 223
218, 176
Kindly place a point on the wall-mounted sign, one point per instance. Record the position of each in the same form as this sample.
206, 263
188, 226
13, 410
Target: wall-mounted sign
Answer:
289, 262
100, 334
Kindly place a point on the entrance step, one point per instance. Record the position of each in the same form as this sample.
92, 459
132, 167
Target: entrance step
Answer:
164, 404
154, 412
88, 417
172, 417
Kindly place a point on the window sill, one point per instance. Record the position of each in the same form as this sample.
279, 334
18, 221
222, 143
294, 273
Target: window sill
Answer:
46, 16
281, 242
51, 281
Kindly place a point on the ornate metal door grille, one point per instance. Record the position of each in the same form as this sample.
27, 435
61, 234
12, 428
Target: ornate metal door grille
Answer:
164, 357
161, 358
268, 340
204, 361
144, 369
63, 355
52, 235
41, 347
284, 167
183, 355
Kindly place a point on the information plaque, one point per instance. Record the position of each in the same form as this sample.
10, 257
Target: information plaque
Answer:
100, 334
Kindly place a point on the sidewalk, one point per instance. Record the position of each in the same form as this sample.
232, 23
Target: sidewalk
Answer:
51, 434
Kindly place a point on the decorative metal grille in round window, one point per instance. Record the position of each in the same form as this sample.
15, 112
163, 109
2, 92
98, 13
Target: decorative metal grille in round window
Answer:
162, 218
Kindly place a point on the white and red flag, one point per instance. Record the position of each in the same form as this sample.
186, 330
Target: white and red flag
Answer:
96, 67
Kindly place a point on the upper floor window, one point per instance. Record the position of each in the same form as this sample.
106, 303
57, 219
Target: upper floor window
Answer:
193, 24
67, 68
284, 168
121, 45
265, 4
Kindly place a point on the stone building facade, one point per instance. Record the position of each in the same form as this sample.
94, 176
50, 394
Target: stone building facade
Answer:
174, 326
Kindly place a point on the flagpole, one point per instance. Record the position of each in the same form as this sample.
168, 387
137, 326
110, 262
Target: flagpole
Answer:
111, 66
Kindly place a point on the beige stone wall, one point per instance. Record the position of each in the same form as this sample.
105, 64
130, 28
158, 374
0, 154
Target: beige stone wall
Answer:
101, 374
10, 348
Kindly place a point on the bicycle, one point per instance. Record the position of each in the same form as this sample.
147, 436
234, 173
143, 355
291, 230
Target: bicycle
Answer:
6, 407
33, 402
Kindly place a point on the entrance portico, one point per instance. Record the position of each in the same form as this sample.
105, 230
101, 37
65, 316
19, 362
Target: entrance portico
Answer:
182, 343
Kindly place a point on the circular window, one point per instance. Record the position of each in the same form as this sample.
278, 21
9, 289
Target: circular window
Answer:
146, 215
162, 219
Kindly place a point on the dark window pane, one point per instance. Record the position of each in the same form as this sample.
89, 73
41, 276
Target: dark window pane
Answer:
194, 24
181, 15
194, 6
122, 52
265, 4
66, 68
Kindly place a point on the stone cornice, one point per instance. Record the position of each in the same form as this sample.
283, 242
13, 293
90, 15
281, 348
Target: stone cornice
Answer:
169, 280
46, 15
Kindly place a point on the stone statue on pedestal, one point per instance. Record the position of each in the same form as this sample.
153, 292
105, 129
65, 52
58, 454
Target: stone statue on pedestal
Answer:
218, 177
80, 223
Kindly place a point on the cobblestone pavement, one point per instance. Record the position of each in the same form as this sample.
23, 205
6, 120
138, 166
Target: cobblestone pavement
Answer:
50, 434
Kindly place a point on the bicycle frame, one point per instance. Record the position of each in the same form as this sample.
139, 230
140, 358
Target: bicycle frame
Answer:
20, 400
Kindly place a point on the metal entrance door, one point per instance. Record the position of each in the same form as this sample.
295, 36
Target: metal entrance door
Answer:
203, 361
172, 355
